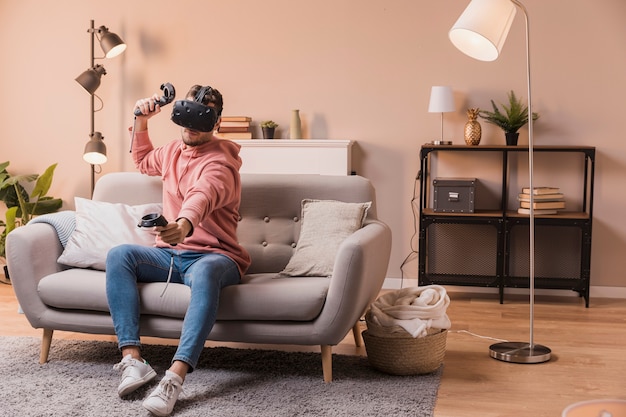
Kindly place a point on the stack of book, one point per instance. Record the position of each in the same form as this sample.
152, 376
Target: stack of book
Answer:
546, 200
235, 127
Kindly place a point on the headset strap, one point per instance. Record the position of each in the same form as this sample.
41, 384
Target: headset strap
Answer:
200, 94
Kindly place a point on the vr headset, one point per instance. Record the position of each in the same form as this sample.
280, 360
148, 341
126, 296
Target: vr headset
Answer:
194, 115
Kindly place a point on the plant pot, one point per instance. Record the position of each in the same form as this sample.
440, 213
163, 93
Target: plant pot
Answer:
511, 138
268, 132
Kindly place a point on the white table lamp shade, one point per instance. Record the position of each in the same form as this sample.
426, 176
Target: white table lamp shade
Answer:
481, 30
441, 99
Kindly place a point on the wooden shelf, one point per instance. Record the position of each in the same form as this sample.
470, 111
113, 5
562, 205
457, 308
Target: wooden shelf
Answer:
455, 248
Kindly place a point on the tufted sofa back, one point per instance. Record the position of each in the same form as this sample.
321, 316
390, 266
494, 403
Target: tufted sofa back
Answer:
270, 206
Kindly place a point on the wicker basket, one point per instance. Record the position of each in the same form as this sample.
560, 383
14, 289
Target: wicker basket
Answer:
394, 351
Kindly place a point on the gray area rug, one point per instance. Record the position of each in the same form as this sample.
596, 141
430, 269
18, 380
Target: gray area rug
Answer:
79, 380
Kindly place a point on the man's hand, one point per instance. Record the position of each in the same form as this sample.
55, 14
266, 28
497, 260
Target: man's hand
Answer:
175, 232
148, 108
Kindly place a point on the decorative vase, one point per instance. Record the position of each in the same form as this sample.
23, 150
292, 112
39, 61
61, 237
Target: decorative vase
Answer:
511, 138
473, 131
268, 132
295, 129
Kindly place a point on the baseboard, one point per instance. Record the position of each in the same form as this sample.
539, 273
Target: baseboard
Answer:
594, 291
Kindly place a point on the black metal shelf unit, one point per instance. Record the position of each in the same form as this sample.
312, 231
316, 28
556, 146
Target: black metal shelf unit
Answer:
489, 248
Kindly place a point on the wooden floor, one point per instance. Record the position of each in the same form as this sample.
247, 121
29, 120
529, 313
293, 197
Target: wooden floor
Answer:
588, 353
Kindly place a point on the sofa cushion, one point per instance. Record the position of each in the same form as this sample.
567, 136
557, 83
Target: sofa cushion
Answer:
100, 226
325, 224
258, 297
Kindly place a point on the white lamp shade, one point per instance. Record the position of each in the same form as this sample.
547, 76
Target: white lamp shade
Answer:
94, 158
95, 150
482, 29
441, 99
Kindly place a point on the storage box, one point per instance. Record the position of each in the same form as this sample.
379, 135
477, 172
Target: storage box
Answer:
454, 195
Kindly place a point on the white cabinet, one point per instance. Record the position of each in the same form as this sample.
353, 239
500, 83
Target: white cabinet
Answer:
296, 156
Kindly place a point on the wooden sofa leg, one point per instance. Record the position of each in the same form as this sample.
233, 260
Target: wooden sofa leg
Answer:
356, 332
46, 341
327, 363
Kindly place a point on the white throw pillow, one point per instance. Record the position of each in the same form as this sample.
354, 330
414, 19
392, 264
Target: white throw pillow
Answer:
325, 224
101, 226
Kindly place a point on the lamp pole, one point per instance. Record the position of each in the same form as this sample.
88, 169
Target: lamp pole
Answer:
531, 217
92, 31
480, 32
520, 352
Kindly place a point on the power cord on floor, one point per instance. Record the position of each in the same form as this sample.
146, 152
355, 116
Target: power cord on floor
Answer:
477, 335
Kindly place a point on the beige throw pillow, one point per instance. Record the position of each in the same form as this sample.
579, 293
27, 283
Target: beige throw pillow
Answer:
100, 226
325, 224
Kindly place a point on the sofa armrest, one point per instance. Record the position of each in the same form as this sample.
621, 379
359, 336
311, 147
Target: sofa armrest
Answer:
358, 275
32, 252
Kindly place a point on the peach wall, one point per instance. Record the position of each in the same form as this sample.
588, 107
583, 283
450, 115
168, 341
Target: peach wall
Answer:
358, 70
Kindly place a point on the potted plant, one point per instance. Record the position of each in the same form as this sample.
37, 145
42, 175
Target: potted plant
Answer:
268, 127
22, 206
510, 119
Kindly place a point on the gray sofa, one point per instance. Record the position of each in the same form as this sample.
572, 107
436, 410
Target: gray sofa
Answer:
265, 308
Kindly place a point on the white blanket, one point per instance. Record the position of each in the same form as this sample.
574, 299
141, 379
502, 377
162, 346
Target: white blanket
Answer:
415, 309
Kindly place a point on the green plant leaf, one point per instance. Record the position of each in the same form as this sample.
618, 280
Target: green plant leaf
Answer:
44, 206
3, 238
20, 206
514, 117
43, 182
15, 179
9, 195
11, 216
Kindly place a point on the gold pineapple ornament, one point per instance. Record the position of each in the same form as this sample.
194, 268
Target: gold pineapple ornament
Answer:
473, 130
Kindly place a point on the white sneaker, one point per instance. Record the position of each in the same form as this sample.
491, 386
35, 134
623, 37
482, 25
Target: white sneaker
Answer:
161, 401
135, 373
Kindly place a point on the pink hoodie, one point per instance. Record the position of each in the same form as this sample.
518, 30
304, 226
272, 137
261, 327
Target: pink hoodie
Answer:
202, 184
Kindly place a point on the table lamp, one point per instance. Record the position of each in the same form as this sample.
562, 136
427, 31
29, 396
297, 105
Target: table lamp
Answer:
441, 101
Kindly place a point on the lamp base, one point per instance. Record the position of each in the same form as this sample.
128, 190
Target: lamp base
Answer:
519, 352
441, 142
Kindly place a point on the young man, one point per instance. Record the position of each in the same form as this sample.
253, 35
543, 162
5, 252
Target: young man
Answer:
198, 247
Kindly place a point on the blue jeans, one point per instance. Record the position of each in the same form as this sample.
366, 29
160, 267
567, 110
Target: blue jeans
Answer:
205, 273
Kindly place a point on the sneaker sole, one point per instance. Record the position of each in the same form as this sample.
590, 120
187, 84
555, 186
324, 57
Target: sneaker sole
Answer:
140, 382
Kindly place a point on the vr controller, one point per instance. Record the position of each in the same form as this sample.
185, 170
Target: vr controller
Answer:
151, 220
168, 96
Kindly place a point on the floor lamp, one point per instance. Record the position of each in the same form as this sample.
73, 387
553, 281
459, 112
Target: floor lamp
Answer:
112, 45
480, 32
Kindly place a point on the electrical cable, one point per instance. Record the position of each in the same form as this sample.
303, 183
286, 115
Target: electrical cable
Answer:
101, 103
413, 251
132, 137
169, 273
477, 335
